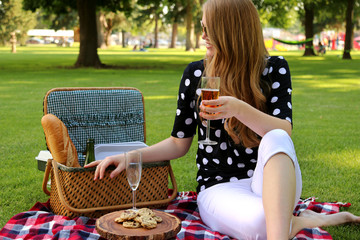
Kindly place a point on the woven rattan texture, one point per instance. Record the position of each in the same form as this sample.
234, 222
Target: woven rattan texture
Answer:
81, 191
107, 115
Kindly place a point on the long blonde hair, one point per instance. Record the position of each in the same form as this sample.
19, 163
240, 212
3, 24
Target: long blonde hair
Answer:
234, 30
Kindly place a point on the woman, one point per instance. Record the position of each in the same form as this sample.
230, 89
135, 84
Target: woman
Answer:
250, 182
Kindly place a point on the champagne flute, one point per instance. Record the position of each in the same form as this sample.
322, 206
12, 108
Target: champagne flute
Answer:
209, 91
133, 172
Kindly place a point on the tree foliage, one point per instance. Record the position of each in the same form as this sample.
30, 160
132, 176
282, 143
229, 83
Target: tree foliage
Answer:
151, 12
109, 22
176, 11
277, 13
315, 16
88, 56
58, 21
14, 19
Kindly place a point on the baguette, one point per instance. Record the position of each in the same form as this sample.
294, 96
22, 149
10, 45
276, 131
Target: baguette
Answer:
59, 142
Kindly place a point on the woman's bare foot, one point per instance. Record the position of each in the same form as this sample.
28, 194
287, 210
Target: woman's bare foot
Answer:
311, 219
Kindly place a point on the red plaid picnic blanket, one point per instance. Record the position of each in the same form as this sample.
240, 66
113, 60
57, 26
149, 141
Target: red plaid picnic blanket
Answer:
40, 223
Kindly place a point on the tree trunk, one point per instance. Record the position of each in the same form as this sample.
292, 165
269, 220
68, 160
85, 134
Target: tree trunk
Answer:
174, 32
309, 29
349, 29
123, 39
197, 39
88, 56
156, 30
198, 34
189, 17
100, 18
108, 31
174, 35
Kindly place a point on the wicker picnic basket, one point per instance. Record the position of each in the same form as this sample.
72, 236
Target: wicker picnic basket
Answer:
108, 115
75, 193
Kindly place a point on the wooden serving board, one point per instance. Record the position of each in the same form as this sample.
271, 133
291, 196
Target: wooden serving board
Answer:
109, 229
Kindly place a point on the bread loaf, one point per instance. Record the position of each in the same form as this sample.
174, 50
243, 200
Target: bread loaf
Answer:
59, 142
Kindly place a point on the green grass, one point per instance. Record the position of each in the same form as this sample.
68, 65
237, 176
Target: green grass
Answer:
326, 97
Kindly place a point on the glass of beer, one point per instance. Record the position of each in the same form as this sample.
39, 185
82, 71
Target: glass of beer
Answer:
209, 91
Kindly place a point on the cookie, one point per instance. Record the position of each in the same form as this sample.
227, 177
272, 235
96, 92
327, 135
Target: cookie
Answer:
137, 219
144, 217
131, 224
145, 212
158, 219
126, 215
148, 222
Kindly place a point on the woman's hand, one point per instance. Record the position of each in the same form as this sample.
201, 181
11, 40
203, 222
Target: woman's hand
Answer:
117, 160
225, 107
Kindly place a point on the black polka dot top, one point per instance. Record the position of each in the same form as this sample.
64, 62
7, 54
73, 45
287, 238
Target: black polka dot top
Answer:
226, 161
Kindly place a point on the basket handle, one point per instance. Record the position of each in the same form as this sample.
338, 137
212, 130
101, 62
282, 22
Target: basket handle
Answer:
46, 177
173, 182
115, 207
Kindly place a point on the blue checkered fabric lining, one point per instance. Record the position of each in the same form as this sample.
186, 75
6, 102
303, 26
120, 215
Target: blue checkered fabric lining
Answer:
106, 115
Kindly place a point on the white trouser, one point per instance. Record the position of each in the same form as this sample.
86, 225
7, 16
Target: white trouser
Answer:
236, 208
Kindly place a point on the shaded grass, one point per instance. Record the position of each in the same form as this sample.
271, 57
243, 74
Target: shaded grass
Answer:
326, 97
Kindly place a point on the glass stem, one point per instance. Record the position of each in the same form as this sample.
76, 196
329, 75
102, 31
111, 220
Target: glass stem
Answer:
208, 130
134, 199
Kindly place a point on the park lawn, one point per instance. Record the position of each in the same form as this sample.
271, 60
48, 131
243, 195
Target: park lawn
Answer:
326, 134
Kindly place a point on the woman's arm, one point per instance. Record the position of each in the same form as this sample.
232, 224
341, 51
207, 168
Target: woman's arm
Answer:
258, 121
170, 148
167, 149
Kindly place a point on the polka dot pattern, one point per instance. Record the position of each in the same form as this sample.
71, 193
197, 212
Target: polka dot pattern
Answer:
198, 91
274, 99
289, 105
276, 112
197, 73
282, 71
218, 178
236, 152
266, 70
275, 85
227, 161
201, 132
218, 133
240, 165
223, 146
209, 149
233, 179
249, 151
180, 134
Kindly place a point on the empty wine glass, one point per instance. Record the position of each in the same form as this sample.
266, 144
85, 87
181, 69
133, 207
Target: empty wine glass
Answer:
209, 91
133, 163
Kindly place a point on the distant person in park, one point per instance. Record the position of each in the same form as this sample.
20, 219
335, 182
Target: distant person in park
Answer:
322, 49
250, 181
